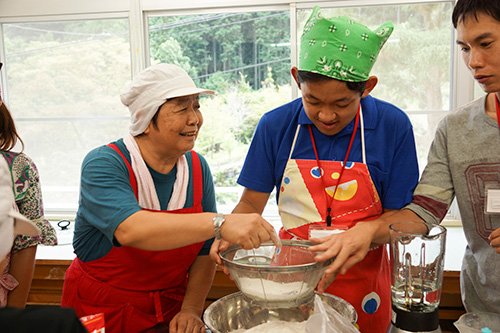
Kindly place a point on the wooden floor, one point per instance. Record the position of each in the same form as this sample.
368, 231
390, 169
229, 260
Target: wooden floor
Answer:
48, 280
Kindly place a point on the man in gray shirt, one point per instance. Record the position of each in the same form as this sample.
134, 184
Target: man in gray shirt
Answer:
463, 161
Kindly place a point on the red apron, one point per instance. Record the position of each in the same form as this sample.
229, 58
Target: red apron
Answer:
135, 289
303, 202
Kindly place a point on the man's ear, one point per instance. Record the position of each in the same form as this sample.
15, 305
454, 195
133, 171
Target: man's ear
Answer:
370, 85
294, 72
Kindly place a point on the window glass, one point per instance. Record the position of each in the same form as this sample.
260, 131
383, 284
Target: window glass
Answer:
478, 91
413, 67
245, 58
64, 81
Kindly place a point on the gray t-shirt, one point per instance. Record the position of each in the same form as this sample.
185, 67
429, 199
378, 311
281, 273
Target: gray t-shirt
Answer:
464, 160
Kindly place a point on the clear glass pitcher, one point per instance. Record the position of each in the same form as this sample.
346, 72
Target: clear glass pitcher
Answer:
417, 259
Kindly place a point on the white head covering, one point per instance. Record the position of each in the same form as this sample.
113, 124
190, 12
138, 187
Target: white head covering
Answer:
12, 223
149, 90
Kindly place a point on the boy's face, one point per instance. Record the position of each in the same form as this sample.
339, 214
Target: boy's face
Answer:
329, 104
480, 45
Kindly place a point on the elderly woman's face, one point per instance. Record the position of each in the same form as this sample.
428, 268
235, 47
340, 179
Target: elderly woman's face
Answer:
177, 125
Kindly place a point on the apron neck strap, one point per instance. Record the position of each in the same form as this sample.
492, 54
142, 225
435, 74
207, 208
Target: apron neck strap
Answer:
362, 125
363, 148
294, 141
356, 122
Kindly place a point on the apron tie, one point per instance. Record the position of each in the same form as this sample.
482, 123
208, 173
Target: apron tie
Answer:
159, 312
157, 295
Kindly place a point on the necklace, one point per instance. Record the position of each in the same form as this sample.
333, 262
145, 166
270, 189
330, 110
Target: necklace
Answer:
498, 109
329, 200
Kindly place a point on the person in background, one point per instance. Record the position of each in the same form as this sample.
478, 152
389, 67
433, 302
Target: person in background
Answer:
147, 215
337, 157
34, 318
464, 162
15, 282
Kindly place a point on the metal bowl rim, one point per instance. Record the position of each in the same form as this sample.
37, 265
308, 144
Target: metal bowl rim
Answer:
208, 321
275, 269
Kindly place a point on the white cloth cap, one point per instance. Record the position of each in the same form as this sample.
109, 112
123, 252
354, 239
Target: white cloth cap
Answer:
149, 90
12, 223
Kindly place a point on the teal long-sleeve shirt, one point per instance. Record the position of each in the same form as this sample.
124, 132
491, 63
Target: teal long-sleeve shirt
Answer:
107, 199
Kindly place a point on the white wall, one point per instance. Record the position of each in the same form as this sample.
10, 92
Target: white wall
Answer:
14, 8
25, 8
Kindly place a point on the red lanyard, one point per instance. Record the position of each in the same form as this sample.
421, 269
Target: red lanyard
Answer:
498, 110
329, 200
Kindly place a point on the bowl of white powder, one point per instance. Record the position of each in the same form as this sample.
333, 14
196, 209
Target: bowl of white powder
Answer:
275, 277
233, 313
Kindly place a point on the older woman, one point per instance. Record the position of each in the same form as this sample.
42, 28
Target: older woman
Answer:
147, 208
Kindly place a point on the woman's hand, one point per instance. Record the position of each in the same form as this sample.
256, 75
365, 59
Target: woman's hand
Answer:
248, 230
187, 321
218, 246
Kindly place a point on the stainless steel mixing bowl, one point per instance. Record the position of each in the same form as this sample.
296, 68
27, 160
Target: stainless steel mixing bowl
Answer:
275, 277
234, 312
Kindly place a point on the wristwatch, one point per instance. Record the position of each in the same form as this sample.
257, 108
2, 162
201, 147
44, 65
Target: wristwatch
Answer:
218, 220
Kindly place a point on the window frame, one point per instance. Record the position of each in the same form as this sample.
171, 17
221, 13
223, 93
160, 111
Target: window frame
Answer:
60, 212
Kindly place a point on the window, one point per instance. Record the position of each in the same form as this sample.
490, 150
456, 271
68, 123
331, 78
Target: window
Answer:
245, 58
64, 80
478, 91
414, 66
64, 72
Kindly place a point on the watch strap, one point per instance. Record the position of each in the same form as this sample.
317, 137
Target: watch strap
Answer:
218, 221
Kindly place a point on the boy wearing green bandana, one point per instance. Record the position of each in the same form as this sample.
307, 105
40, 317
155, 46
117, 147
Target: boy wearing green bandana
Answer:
464, 161
336, 157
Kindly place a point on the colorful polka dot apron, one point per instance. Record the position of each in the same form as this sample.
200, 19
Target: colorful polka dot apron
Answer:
308, 189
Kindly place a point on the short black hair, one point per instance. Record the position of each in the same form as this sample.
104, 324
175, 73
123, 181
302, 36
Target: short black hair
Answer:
471, 8
305, 76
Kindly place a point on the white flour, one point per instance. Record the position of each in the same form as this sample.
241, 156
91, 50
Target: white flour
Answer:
276, 327
270, 290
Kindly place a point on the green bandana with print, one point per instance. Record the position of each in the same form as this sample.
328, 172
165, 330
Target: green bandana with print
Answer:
340, 48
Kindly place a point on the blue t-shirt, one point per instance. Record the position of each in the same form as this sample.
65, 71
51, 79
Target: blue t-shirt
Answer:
389, 142
107, 198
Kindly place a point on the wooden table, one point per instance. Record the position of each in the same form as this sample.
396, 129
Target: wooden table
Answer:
48, 280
